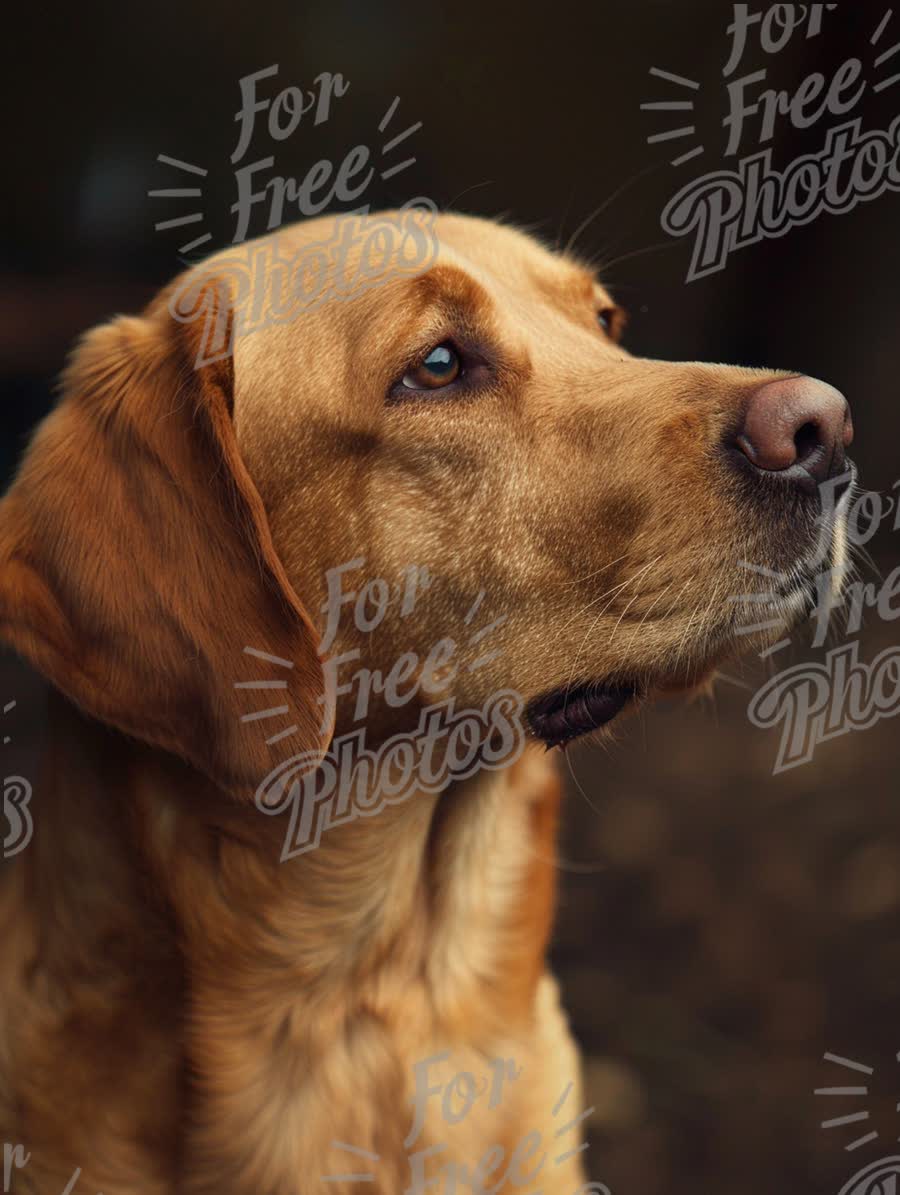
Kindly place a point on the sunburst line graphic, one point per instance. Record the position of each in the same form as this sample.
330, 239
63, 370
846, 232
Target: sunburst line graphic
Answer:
176, 193
850, 1118
355, 1178
397, 140
386, 174
674, 106
477, 637
8, 708
673, 134
770, 598
260, 715
182, 193
267, 686
473, 610
179, 165
774, 649
687, 105
271, 686
389, 115
670, 78
270, 659
849, 1064
413, 128
885, 21
178, 221
562, 1099
887, 55
668, 106
573, 1123
197, 193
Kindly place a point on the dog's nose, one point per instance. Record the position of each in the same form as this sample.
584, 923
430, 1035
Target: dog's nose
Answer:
797, 427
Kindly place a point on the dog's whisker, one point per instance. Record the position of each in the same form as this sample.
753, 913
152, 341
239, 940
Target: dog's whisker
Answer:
601, 208
657, 248
622, 615
753, 598
609, 593
649, 611
682, 642
602, 569
630, 581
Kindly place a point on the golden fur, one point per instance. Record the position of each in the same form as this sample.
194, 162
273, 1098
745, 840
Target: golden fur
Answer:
182, 1011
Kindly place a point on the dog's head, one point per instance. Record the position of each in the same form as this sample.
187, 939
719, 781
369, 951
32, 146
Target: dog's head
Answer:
458, 476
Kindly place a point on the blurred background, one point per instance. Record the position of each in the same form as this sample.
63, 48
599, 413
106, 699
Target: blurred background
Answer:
721, 928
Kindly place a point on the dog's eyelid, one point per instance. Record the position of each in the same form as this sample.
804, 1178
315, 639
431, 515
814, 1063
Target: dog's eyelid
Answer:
472, 348
612, 318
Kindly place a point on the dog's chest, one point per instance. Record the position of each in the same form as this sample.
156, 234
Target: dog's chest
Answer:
436, 1052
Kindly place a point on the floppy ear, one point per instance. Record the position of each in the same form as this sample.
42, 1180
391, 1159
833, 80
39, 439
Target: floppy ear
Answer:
136, 561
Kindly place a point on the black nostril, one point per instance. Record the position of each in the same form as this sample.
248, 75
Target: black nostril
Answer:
796, 427
807, 440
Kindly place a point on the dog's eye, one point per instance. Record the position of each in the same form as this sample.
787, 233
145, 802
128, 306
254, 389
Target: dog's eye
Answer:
605, 319
441, 367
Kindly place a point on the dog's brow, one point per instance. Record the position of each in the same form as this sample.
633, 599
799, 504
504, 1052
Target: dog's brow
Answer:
458, 296
449, 286
593, 289
576, 289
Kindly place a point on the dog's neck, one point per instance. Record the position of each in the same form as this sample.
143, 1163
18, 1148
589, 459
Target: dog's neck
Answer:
425, 924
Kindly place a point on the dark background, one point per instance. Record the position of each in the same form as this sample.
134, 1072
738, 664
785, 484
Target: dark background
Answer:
721, 928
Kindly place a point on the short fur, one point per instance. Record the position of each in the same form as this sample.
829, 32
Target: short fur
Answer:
181, 1011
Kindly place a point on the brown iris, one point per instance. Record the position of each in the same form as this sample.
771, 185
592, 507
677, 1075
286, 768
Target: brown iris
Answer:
441, 367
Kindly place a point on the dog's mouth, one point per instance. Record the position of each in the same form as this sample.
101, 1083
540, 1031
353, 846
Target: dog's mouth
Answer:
567, 713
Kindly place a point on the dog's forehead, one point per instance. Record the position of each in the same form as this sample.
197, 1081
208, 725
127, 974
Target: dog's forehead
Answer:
509, 258
500, 274
501, 257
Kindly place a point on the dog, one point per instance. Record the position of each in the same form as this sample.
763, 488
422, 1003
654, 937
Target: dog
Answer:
187, 1005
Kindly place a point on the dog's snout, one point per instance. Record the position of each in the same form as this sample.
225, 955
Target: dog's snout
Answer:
798, 428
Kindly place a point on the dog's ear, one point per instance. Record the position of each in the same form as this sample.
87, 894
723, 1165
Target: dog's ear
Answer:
137, 565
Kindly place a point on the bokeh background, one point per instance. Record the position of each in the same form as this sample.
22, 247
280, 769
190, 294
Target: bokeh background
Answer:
721, 928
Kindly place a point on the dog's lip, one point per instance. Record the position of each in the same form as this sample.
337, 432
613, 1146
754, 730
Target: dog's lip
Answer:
570, 711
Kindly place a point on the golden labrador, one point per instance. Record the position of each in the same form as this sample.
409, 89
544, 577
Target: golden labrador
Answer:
205, 993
